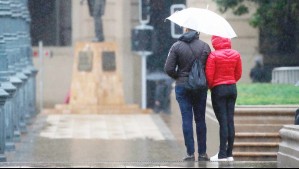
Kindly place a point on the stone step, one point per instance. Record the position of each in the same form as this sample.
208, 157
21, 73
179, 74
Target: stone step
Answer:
260, 108
267, 128
256, 147
257, 130
267, 120
265, 112
270, 106
255, 156
257, 137
103, 109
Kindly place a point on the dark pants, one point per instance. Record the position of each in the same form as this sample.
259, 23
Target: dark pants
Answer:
297, 117
193, 103
224, 99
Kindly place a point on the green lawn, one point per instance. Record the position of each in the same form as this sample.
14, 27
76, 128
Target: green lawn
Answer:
267, 94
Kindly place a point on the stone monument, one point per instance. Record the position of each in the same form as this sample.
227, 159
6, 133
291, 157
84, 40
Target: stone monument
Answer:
97, 85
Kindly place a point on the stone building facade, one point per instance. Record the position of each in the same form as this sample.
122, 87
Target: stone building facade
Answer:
122, 16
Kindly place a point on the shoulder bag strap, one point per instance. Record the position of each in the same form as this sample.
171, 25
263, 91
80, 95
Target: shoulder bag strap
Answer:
196, 57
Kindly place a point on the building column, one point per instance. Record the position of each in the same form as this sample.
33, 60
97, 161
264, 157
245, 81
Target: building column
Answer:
123, 40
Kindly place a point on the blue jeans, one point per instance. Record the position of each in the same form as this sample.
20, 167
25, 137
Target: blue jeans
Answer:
193, 103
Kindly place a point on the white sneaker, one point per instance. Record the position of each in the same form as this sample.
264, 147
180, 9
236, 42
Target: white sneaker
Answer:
216, 159
230, 159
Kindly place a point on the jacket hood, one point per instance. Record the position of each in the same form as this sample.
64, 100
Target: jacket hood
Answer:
221, 43
188, 37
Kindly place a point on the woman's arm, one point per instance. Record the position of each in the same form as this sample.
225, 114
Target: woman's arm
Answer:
238, 70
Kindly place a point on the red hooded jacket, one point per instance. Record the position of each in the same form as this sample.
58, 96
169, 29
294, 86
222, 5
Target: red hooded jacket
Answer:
224, 65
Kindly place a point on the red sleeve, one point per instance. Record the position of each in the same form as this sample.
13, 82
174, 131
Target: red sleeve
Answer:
210, 70
239, 70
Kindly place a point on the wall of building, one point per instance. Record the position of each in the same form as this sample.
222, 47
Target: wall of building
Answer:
55, 75
51, 22
120, 18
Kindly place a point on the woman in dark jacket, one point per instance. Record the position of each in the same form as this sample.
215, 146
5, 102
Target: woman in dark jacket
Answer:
178, 66
224, 70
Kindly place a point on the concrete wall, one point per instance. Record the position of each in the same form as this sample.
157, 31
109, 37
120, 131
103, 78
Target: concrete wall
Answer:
55, 75
288, 155
120, 18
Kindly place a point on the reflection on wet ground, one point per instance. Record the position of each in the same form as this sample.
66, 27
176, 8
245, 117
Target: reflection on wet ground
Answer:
57, 138
169, 164
83, 141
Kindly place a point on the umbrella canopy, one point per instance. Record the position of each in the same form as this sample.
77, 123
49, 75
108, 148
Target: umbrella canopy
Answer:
203, 20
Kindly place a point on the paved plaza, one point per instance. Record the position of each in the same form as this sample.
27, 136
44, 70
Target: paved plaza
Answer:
97, 138
110, 141
106, 127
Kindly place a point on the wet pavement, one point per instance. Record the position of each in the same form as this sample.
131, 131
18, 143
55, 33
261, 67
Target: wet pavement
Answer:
106, 127
131, 141
154, 142
146, 165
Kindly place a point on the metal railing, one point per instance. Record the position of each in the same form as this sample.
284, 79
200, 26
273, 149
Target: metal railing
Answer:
17, 74
285, 75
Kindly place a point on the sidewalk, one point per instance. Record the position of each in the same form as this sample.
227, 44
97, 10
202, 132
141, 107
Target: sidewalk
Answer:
147, 165
121, 141
97, 138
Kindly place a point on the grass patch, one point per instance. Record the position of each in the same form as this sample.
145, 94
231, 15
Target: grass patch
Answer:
267, 94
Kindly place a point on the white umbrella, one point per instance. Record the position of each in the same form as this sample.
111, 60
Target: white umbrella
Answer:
203, 20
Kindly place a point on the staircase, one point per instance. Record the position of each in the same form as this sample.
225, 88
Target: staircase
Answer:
257, 131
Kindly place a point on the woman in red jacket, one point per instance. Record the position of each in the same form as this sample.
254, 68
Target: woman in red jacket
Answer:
224, 70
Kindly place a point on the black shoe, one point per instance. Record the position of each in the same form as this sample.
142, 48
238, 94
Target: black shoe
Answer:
189, 158
203, 158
